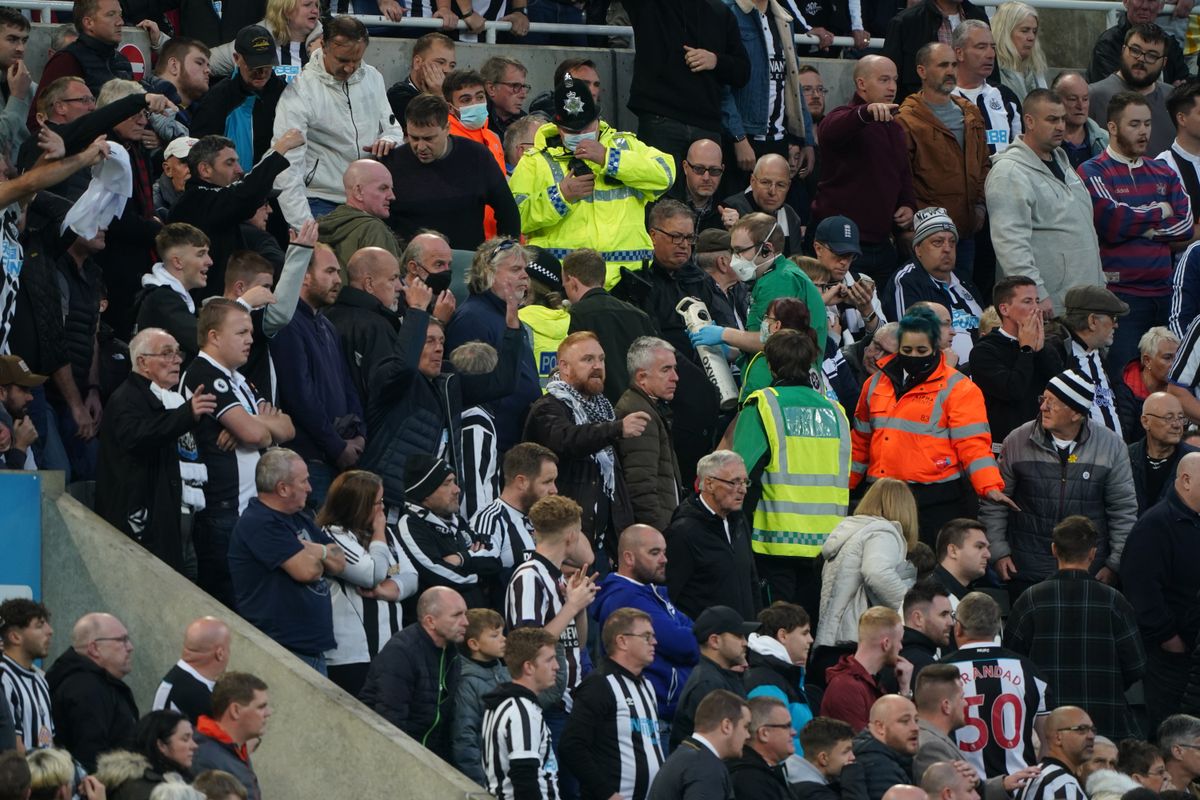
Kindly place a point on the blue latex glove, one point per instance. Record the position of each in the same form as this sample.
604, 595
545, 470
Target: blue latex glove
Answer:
708, 336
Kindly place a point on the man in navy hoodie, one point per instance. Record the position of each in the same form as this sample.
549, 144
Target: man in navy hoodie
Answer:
639, 582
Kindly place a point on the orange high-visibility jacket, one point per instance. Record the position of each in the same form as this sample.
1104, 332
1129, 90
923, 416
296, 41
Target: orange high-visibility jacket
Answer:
937, 431
492, 142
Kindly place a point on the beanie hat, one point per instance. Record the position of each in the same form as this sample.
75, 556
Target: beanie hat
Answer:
423, 474
1075, 389
929, 221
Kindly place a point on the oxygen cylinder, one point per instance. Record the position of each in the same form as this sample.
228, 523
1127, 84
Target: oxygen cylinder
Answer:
695, 316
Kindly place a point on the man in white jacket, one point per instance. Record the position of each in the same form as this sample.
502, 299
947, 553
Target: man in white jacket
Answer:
1040, 210
340, 105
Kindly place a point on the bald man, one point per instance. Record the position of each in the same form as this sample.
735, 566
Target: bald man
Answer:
360, 221
767, 192
865, 173
1104, 756
1070, 737
428, 256
365, 312
1083, 139
639, 581
947, 149
886, 747
1159, 579
947, 781
413, 680
1155, 459
187, 686
905, 791
702, 170
94, 710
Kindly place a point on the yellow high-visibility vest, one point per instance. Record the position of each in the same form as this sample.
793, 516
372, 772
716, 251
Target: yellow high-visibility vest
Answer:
806, 482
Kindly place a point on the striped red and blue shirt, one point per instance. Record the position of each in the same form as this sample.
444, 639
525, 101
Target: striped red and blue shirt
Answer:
1133, 229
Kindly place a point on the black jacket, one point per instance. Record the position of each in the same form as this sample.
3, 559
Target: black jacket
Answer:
918, 649
1158, 572
199, 20
703, 568
1106, 55
210, 113
743, 203
412, 684
138, 488
219, 212
1012, 380
95, 61
552, 424
753, 777
1137, 463
707, 676
160, 306
407, 412
38, 331
692, 772
912, 29
884, 767
851, 784
662, 83
367, 333
616, 324
399, 95
93, 711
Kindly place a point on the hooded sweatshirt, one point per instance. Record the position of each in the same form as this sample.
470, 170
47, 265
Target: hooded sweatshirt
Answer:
507, 707
93, 711
676, 651
165, 303
772, 674
864, 566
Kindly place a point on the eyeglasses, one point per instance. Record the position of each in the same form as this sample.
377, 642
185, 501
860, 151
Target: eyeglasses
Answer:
677, 238
700, 169
740, 483
1149, 56
825, 287
515, 86
780, 185
815, 90
1188, 746
170, 355
737, 251
122, 639
1170, 419
1084, 729
87, 101
1161, 772
648, 637
787, 726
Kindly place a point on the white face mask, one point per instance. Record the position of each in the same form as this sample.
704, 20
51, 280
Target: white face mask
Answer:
746, 268
764, 329
572, 140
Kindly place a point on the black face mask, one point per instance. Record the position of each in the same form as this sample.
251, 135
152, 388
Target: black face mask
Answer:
438, 282
918, 365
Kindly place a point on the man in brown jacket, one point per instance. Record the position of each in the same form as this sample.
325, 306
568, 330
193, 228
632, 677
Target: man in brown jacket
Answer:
947, 149
651, 470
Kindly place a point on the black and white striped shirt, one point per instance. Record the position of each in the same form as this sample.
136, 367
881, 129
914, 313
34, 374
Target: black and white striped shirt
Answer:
29, 696
533, 598
514, 735
1056, 782
185, 690
509, 531
612, 741
1104, 410
479, 477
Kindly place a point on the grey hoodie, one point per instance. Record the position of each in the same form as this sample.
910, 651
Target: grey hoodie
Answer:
1042, 226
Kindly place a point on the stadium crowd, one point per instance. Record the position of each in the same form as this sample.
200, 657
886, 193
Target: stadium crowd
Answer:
782, 449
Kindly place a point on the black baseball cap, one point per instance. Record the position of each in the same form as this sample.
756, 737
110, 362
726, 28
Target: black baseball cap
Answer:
839, 234
721, 619
256, 45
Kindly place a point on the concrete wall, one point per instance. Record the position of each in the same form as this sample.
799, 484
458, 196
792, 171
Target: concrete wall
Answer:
318, 737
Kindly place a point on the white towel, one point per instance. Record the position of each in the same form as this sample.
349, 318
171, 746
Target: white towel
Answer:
106, 195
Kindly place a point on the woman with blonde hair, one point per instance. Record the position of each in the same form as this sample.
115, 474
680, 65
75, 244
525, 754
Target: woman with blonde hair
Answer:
366, 596
1018, 51
866, 560
296, 26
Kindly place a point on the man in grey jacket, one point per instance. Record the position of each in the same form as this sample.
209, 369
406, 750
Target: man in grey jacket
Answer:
1054, 466
1040, 210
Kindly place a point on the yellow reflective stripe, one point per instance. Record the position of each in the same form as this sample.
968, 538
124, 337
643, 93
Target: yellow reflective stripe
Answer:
792, 550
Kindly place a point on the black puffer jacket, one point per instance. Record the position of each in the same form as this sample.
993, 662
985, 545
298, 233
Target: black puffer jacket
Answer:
412, 684
883, 766
1095, 481
93, 711
703, 568
367, 333
406, 412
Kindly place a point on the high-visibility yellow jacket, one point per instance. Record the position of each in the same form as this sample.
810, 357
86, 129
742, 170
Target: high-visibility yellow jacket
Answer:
806, 478
612, 220
549, 327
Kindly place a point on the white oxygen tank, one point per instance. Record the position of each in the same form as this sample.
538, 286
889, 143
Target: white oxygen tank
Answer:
695, 316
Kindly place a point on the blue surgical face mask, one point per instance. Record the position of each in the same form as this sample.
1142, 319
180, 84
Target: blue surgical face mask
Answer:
572, 140
473, 117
